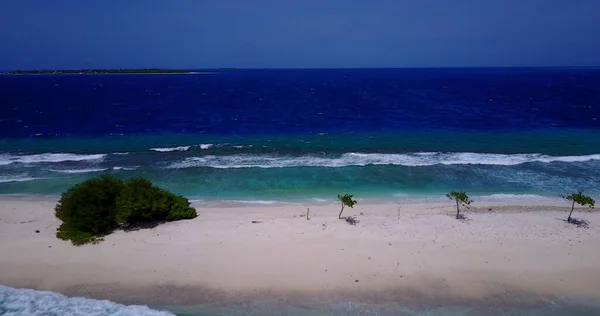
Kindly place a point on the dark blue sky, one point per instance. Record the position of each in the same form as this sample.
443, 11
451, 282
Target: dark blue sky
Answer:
302, 33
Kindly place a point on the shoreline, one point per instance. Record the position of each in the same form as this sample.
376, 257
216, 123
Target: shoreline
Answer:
221, 256
480, 201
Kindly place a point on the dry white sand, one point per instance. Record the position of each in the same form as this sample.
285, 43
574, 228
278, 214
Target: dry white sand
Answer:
421, 250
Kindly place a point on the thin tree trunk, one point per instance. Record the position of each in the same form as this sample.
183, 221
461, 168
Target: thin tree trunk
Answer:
340, 217
572, 207
457, 209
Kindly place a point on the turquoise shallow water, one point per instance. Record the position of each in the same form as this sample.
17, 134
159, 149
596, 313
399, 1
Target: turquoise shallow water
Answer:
271, 135
315, 167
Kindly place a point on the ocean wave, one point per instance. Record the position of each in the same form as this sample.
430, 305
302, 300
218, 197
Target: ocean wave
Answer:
17, 178
364, 159
6, 159
181, 148
32, 302
78, 170
169, 149
125, 168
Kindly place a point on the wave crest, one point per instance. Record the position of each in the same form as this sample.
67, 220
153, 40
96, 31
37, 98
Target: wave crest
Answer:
78, 170
17, 178
169, 149
125, 168
7, 159
364, 159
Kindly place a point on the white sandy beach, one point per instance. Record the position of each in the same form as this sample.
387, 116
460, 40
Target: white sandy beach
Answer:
422, 250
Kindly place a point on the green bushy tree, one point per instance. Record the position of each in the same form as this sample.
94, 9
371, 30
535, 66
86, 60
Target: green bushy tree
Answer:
97, 206
580, 199
141, 201
88, 209
461, 198
346, 200
181, 209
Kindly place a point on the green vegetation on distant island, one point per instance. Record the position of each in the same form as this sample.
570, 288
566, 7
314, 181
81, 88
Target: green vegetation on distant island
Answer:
97, 71
98, 206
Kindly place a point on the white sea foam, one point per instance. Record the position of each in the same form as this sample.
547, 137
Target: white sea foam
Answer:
259, 202
169, 149
363, 159
120, 154
492, 198
503, 197
125, 168
205, 146
36, 303
6, 159
79, 170
229, 203
17, 178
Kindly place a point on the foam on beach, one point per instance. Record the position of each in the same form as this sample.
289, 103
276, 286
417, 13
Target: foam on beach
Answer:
31, 302
516, 198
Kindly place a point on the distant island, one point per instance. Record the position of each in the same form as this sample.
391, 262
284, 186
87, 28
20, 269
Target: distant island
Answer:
98, 71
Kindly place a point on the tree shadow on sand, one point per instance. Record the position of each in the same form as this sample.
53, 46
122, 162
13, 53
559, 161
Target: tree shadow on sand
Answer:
139, 226
580, 223
461, 217
351, 220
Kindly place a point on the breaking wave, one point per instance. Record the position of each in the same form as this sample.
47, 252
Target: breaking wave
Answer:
181, 148
169, 149
17, 178
6, 159
364, 159
125, 168
79, 170
31, 302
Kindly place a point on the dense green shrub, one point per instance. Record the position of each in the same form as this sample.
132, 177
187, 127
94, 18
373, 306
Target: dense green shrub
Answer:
140, 201
88, 209
97, 206
181, 209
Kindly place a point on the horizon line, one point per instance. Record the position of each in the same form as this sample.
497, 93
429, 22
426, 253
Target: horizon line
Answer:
299, 68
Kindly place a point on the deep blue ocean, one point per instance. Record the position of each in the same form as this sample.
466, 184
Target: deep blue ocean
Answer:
270, 136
